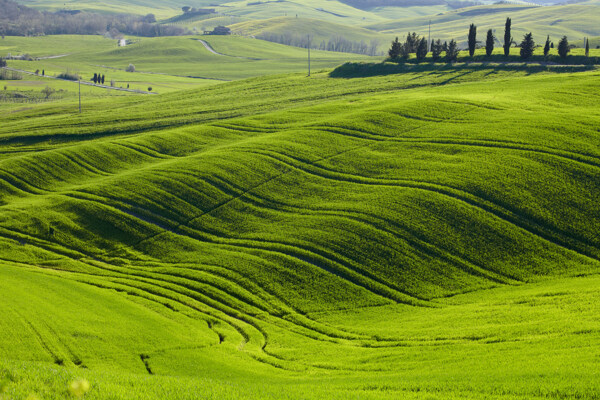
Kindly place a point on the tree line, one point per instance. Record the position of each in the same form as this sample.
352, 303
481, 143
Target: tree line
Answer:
336, 43
415, 44
19, 20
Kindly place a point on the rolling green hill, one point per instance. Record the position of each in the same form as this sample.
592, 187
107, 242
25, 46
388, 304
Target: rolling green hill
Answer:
317, 29
425, 235
165, 64
574, 20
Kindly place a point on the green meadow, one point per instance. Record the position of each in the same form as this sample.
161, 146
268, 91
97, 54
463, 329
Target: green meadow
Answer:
423, 233
165, 64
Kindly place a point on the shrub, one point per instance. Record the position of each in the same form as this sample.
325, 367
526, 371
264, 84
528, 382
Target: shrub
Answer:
527, 46
130, 68
48, 91
68, 75
563, 47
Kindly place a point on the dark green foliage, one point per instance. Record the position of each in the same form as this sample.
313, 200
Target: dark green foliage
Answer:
436, 49
508, 39
2, 62
19, 20
221, 30
489, 43
452, 53
472, 40
395, 50
422, 49
527, 45
103, 79
547, 46
412, 42
95, 78
70, 76
587, 47
445, 46
563, 47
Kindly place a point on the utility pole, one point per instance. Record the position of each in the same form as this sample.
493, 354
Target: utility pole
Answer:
308, 55
79, 94
429, 38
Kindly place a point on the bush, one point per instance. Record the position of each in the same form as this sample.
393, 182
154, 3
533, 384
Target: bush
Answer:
48, 91
70, 76
130, 68
6, 75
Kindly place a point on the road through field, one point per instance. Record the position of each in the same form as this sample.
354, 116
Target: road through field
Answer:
209, 48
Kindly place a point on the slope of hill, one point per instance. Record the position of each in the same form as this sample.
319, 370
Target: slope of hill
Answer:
169, 63
307, 238
162, 9
318, 29
574, 20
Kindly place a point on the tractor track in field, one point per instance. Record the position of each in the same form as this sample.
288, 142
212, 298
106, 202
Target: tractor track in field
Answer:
509, 216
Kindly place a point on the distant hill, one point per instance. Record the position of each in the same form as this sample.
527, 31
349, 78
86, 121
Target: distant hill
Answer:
574, 20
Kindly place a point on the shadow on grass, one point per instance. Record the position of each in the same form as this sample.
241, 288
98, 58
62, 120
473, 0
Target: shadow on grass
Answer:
363, 70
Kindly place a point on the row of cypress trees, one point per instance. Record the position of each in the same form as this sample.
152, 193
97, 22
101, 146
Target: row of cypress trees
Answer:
527, 44
98, 78
419, 46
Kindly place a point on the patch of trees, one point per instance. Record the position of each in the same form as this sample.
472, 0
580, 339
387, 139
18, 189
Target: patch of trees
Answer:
8, 75
221, 30
419, 46
19, 20
337, 43
98, 79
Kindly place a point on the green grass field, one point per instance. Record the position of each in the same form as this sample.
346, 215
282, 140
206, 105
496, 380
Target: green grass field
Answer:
164, 64
430, 234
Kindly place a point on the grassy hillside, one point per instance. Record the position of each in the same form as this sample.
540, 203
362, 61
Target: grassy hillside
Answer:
319, 30
162, 9
423, 235
574, 20
165, 64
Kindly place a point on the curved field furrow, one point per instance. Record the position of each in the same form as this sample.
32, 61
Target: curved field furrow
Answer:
400, 231
511, 216
587, 159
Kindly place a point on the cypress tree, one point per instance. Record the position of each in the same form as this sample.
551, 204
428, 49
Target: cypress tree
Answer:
395, 50
436, 49
507, 37
489, 43
527, 45
472, 39
43, 72
445, 47
95, 78
103, 79
452, 52
563, 47
422, 49
587, 47
547, 46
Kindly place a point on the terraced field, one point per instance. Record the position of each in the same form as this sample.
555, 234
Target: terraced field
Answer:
423, 235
